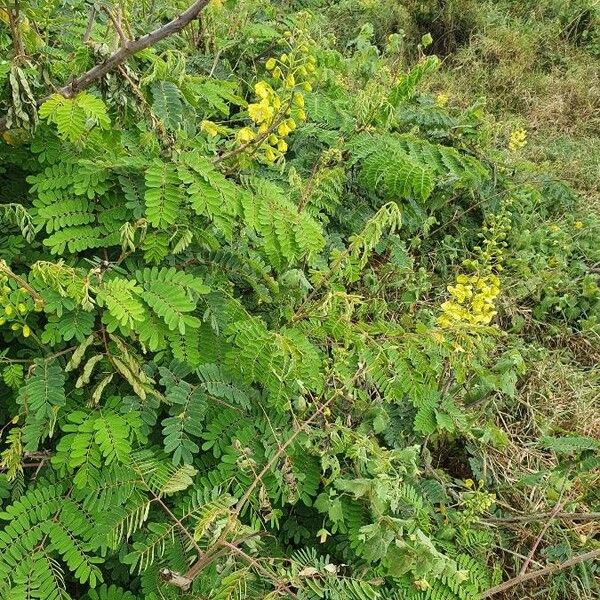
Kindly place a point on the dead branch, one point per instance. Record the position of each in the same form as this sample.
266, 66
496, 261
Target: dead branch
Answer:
591, 555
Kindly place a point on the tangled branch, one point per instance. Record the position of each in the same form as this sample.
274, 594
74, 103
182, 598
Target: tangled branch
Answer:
127, 49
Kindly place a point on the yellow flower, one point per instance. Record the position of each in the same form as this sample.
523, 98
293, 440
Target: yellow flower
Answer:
261, 111
578, 224
518, 140
245, 135
461, 292
282, 146
26, 331
210, 128
270, 154
290, 81
262, 90
299, 100
441, 100
283, 129
271, 64
473, 301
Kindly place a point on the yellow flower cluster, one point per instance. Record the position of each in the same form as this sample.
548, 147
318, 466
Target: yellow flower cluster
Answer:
472, 301
441, 100
517, 140
15, 305
473, 296
279, 105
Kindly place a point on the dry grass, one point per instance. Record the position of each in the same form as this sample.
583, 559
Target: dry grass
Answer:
563, 396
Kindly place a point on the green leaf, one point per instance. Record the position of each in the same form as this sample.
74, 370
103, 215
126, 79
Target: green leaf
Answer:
167, 103
163, 194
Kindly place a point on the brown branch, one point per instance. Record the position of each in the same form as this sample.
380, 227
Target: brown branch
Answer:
539, 538
265, 572
4, 268
17, 40
126, 51
218, 545
549, 570
578, 516
90, 25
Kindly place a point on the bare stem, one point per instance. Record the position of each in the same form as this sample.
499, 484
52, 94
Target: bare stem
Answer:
591, 555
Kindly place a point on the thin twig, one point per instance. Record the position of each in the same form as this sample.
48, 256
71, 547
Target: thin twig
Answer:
35, 465
254, 563
578, 516
217, 546
539, 538
591, 555
13, 20
90, 25
181, 526
122, 37
32, 360
242, 502
4, 268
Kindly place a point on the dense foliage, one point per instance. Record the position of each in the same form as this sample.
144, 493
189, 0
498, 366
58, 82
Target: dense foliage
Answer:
262, 298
